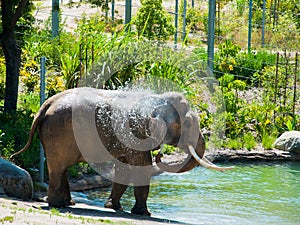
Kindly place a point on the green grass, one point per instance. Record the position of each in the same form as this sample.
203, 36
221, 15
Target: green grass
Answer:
234, 144
267, 141
249, 141
9, 219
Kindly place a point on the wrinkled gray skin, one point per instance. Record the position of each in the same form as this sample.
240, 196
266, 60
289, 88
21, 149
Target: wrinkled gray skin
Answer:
67, 133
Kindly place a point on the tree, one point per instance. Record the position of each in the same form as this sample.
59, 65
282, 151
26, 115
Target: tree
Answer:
11, 12
152, 21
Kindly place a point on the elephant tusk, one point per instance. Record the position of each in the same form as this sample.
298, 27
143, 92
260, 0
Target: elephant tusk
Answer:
205, 162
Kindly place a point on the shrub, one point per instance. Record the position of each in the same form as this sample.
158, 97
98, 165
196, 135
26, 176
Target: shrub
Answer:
234, 144
249, 141
15, 130
267, 141
152, 21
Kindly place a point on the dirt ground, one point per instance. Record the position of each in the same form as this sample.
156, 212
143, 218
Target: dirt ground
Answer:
18, 212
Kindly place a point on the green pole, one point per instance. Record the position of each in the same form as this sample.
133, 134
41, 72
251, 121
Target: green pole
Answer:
113, 10
211, 34
55, 18
128, 4
250, 26
176, 23
42, 99
263, 24
184, 21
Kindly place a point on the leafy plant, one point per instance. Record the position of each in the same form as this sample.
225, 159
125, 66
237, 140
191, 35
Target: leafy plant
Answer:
234, 144
18, 123
249, 141
267, 141
152, 21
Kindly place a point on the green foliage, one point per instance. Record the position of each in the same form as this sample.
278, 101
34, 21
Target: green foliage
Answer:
249, 141
152, 21
2, 77
247, 64
230, 88
267, 141
29, 101
7, 219
230, 59
286, 35
14, 135
234, 144
80, 169
225, 56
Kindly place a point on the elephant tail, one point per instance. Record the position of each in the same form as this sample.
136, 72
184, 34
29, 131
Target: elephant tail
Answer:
35, 123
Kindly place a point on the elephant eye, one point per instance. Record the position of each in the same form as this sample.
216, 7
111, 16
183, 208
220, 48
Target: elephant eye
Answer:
154, 114
187, 124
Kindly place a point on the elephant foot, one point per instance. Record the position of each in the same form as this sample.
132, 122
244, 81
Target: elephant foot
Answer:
60, 204
71, 202
116, 206
140, 211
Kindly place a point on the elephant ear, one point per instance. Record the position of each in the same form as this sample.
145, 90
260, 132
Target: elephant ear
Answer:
138, 126
157, 128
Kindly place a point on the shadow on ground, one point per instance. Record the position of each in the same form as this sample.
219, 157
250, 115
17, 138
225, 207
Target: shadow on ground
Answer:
102, 213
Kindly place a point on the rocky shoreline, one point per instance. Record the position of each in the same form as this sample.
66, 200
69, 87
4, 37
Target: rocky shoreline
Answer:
259, 154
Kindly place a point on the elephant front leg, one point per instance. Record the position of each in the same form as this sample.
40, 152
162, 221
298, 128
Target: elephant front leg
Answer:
113, 201
141, 180
141, 195
119, 186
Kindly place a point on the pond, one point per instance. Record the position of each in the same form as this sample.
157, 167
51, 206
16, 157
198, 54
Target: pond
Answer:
251, 194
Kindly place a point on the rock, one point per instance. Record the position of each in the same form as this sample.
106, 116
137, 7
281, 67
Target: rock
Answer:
15, 181
88, 183
289, 141
2, 192
227, 155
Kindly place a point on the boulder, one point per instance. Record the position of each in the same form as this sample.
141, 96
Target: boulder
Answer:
15, 181
289, 141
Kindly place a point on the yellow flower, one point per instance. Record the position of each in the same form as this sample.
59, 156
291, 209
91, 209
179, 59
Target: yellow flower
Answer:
267, 122
230, 67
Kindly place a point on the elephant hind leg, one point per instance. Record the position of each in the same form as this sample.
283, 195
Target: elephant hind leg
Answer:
66, 190
59, 192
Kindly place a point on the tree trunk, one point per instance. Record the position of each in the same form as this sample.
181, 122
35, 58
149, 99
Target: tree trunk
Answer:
11, 11
12, 55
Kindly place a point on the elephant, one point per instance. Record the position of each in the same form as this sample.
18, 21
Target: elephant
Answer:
94, 125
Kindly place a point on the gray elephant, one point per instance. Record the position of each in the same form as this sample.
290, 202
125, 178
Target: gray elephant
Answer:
92, 125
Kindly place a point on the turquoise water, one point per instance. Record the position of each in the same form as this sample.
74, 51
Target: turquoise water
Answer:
250, 194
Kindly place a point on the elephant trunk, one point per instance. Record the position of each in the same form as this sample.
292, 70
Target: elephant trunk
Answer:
189, 163
195, 158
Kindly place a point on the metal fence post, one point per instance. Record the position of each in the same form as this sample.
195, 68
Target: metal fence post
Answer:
263, 24
128, 4
250, 26
184, 21
55, 18
211, 34
176, 23
113, 10
42, 99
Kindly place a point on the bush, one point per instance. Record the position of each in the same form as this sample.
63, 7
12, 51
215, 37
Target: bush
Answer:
152, 21
14, 134
249, 141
